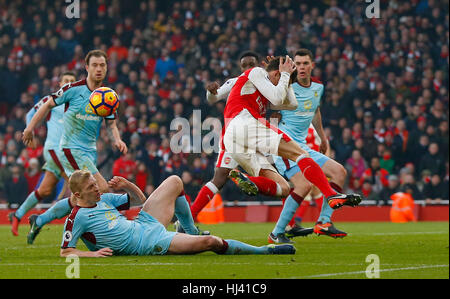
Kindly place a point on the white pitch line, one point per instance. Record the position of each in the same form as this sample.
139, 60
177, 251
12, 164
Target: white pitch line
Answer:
363, 272
402, 233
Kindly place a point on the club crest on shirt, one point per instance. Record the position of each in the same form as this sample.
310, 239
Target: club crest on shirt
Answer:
307, 105
316, 94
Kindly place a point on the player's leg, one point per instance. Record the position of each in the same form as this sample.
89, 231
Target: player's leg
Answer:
337, 174
59, 210
301, 188
168, 199
227, 166
281, 187
300, 213
263, 174
313, 173
187, 244
208, 191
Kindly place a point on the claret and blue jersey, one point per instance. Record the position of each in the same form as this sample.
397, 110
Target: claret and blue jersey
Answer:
81, 125
100, 226
296, 122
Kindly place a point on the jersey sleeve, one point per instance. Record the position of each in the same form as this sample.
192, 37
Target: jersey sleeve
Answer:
289, 103
119, 201
30, 114
275, 94
63, 95
222, 92
112, 116
73, 229
35, 108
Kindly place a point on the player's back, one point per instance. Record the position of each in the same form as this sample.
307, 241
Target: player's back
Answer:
55, 123
55, 127
296, 122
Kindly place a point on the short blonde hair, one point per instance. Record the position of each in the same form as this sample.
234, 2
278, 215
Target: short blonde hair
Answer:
78, 179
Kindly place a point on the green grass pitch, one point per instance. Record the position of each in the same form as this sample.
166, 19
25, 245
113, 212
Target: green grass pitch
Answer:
411, 250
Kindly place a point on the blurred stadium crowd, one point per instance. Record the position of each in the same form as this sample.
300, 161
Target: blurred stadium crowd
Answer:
385, 108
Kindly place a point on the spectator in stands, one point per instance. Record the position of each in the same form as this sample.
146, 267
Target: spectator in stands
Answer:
355, 166
163, 54
436, 190
386, 161
125, 166
16, 186
32, 174
385, 194
433, 161
375, 175
343, 146
409, 185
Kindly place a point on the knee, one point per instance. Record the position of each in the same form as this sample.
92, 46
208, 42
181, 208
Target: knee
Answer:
175, 182
285, 189
45, 190
339, 173
304, 189
212, 242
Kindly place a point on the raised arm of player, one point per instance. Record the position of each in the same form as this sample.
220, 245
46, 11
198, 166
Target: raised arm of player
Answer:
289, 103
114, 136
214, 93
118, 183
317, 124
275, 94
41, 113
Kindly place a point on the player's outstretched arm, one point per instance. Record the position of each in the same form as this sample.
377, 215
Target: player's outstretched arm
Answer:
27, 136
118, 183
317, 124
114, 135
104, 252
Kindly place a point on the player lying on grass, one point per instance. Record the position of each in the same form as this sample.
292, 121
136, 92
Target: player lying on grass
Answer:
97, 221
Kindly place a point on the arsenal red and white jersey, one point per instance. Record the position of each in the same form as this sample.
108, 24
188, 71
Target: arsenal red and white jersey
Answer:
244, 95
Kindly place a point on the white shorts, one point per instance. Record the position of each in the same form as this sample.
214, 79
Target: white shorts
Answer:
253, 163
248, 135
224, 160
250, 141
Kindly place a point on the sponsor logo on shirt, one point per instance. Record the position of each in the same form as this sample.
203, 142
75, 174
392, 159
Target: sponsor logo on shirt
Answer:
87, 117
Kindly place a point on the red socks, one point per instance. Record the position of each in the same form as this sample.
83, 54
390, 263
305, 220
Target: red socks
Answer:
265, 186
204, 196
313, 173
